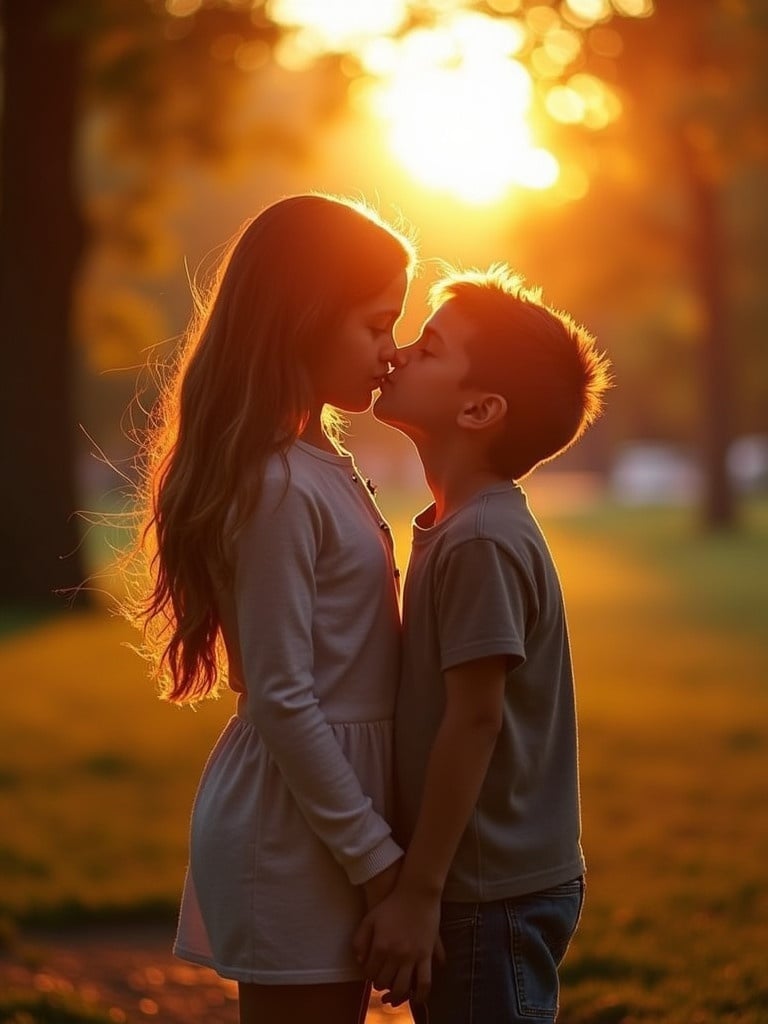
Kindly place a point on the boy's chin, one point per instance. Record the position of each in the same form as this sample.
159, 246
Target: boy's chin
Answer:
379, 409
391, 420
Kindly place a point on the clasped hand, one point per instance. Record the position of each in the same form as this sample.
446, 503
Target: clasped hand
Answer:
396, 944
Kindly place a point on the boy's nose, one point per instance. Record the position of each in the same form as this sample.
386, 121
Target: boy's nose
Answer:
400, 357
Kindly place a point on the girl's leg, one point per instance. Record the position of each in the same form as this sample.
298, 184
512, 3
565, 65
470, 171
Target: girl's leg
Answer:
342, 1003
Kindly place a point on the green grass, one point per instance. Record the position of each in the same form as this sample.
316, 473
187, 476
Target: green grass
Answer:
671, 653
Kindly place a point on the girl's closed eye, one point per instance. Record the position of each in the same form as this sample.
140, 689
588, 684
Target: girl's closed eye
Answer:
384, 326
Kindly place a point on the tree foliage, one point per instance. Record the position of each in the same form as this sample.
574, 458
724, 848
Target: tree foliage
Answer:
138, 89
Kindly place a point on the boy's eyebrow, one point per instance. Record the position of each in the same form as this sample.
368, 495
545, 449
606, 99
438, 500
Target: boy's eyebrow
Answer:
429, 334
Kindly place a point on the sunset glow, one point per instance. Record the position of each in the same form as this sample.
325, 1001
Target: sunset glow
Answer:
455, 93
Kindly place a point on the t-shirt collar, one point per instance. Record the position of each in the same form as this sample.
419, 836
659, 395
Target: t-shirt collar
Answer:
424, 526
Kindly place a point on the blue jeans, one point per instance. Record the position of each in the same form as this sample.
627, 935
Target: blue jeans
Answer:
502, 959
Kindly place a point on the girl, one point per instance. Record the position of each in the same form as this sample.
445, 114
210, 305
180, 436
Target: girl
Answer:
272, 568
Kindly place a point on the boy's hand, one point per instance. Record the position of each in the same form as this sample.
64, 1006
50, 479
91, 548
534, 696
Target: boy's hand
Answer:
396, 942
397, 939
381, 885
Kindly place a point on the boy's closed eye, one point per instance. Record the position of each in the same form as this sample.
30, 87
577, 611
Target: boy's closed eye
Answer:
430, 344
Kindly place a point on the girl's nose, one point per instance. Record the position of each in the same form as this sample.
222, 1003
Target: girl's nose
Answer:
388, 350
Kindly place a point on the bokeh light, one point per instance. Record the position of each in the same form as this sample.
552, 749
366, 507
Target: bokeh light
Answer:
634, 8
183, 8
337, 25
590, 10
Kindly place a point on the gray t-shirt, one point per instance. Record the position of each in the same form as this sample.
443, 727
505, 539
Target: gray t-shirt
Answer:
482, 582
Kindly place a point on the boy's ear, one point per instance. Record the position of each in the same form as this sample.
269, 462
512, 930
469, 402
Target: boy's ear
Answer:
482, 411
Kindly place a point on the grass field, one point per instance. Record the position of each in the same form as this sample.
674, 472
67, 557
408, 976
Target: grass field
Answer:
670, 638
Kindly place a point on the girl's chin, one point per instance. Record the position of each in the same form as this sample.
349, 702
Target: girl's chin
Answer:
362, 404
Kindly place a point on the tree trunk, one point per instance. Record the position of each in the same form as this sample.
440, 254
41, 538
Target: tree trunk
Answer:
707, 252
41, 241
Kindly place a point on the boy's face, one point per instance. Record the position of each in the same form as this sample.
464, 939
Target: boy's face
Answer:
425, 393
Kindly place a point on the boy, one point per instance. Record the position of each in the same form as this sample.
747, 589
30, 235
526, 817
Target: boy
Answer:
485, 730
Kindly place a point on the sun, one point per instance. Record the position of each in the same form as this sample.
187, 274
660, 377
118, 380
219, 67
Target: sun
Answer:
455, 103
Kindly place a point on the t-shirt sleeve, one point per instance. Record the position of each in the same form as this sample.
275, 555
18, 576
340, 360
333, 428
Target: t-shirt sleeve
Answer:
483, 603
275, 594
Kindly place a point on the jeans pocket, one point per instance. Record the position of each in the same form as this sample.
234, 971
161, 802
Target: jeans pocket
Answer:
541, 926
456, 916
450, 1000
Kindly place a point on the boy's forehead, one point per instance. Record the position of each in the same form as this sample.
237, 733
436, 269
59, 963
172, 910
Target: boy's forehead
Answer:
450, 325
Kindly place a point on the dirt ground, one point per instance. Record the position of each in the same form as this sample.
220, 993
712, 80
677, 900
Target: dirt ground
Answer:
130, 973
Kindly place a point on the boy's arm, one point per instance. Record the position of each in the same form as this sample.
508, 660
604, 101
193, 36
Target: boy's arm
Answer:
396, 940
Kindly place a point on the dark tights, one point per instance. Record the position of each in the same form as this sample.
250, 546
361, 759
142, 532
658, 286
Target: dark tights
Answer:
341, 1003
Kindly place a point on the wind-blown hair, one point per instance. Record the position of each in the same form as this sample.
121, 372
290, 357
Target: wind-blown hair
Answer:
540, 360
237, 394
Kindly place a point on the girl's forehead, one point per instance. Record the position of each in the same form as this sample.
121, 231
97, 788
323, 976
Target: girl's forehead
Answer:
391, 298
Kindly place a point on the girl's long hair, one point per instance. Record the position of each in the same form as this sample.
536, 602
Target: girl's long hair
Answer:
237, 394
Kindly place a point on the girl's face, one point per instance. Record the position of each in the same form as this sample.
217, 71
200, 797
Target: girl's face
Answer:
358, 357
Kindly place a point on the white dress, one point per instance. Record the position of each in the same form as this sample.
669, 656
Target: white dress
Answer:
292, 811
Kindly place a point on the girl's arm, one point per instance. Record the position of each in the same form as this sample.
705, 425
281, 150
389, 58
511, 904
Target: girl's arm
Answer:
275, 597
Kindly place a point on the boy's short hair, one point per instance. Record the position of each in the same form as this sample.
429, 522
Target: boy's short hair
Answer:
544, 364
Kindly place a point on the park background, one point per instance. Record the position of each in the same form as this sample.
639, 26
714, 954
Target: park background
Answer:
613, 151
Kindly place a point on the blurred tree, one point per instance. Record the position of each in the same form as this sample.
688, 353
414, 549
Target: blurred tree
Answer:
153, 87
671, 253
672, 226
697, 81
41, 237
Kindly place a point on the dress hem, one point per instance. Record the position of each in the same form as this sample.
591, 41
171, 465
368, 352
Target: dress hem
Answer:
321, 977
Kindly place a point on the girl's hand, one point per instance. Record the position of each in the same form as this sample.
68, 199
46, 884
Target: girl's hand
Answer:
397, 943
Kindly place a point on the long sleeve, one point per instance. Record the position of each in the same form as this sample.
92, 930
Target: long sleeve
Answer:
276, 597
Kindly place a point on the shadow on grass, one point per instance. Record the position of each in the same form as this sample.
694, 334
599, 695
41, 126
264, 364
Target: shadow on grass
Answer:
20, 618
50, 1009
74, 914
611, 969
